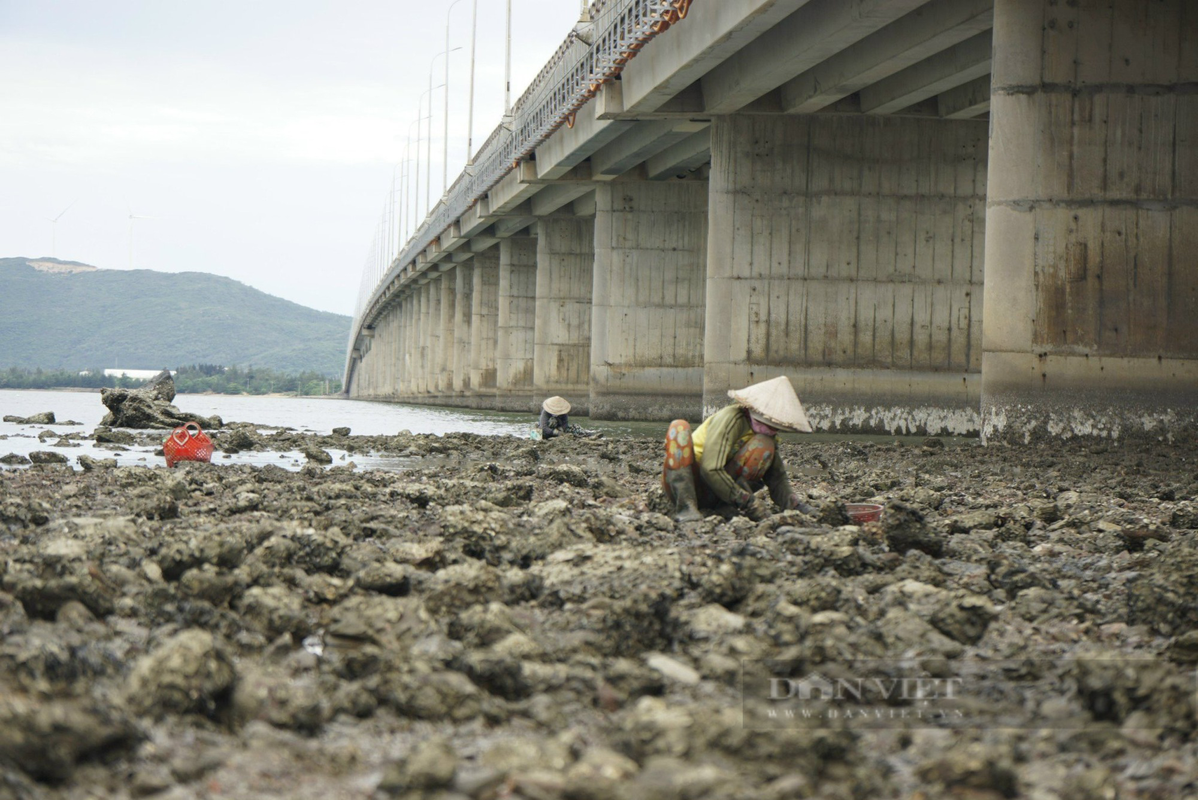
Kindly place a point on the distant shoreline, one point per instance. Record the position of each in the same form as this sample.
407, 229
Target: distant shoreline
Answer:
198, 394
55, 389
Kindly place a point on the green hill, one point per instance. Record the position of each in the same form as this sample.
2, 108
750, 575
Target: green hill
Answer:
65, 315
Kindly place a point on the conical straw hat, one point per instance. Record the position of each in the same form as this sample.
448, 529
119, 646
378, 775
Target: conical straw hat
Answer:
556, 406
775, 403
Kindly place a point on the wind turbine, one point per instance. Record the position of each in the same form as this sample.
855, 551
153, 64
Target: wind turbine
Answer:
54, 229
132, 217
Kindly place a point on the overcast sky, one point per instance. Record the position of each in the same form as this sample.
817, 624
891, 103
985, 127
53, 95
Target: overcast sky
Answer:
257, 137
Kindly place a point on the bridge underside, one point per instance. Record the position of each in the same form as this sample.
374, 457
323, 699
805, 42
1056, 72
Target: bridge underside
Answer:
944, 216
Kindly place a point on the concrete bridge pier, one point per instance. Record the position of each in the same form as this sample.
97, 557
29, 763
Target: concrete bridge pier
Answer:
409, 310
389, 342
432, 334
517, 299
648, 304
463, 276
421, 335
1091, 319
367, 376
845, 251
446, 340
562, 323
484, 327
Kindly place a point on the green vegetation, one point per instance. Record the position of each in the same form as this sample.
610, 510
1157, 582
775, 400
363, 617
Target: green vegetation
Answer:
251, 380
21, 378
142, 319
195, 379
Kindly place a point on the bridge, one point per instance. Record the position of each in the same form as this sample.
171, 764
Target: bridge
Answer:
934, 216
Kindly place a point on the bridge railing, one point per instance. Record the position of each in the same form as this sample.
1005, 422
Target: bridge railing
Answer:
591, 55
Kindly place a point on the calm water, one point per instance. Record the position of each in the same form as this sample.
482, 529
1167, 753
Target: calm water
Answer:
304, 414
301, 413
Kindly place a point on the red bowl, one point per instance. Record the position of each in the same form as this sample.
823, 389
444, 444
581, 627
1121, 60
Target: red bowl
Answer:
863, 512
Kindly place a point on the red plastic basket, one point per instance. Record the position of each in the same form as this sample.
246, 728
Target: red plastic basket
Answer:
187, 443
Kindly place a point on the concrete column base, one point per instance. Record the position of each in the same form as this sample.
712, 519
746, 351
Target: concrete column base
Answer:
891, 402
1027, 396
647, 395
518, 401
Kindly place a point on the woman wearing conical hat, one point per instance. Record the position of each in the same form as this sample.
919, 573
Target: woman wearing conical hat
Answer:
733, 453
555, 417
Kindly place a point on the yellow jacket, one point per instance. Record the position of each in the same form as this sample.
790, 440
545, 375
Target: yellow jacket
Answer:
717, 440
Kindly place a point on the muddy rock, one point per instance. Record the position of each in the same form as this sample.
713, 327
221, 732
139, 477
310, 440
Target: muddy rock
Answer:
149, 407
292, 702
973, 768
89, 463
598, 774
433, 694
666, 777
1013, 575
963, 616
105, 435
1163, 595
15, 460
47, 457
474, 626
385, 578
564, 473
239, 438
274, 610
44, 418
48, 739
459, 586
1184, 648
906, 530
988, 520
1185, 516
191, 672
317, 456
431, 765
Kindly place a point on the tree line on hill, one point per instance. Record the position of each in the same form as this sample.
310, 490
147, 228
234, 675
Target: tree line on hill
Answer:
192, 379
73, 320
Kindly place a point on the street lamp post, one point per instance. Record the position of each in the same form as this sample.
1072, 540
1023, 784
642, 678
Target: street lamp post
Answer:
407, 195
391, 211
445, 110
470, 113
507, 66
428, 181
420, 119
416, 196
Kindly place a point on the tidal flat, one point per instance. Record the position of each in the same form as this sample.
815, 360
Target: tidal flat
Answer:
505, 618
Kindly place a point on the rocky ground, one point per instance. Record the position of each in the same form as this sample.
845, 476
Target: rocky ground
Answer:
516, 619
